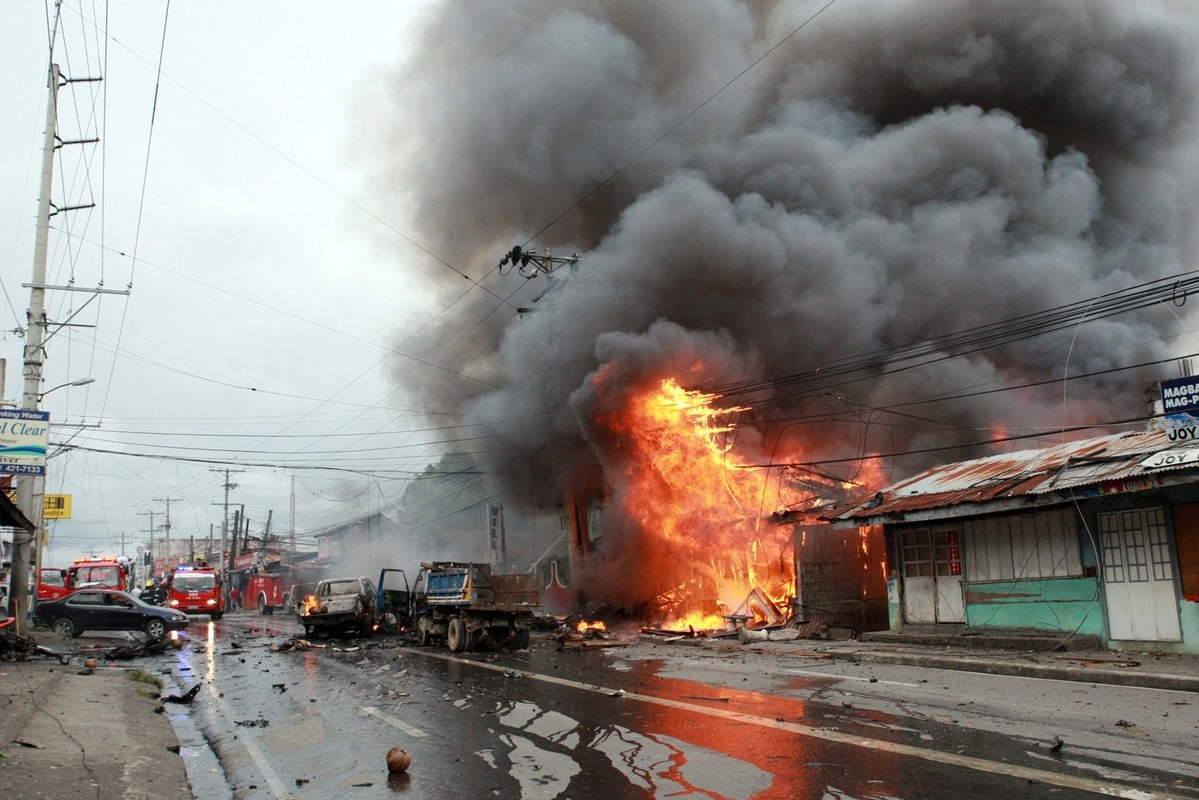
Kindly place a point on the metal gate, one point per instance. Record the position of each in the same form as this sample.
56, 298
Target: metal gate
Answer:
931, 564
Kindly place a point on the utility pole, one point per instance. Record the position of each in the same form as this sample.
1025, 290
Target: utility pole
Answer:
293, 519
225, 563
167, 526
150, 514
30, 488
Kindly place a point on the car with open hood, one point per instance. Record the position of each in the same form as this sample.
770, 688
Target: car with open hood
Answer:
107, 610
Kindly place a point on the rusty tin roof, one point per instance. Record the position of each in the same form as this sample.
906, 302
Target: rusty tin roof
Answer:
1111, 464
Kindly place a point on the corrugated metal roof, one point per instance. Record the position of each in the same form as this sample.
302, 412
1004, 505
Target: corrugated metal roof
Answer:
1114, 463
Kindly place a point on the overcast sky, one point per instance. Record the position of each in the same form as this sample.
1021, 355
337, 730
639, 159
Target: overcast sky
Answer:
263, 298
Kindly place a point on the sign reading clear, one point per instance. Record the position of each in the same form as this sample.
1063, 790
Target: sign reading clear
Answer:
23, 439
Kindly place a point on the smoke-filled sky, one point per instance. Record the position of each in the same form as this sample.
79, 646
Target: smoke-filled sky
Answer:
889, 173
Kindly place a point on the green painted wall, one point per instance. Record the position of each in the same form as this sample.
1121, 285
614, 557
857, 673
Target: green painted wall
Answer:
1053, 604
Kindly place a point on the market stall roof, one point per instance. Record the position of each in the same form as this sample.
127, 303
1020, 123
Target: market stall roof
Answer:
1112, 464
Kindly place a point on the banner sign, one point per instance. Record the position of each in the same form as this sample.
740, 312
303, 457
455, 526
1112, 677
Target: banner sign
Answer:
56, 506
1180, 401
23, 439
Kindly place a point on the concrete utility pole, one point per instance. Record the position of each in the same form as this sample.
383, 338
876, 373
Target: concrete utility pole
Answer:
30, 488
225, 562
150, 514
293, 520
28, 500
167, 526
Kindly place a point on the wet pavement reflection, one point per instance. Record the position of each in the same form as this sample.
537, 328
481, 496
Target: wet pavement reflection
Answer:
317, 723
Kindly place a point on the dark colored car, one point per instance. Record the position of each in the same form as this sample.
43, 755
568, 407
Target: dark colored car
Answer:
107, 610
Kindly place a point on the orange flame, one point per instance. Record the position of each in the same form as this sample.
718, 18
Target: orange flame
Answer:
585, 626
312, 604
703, 511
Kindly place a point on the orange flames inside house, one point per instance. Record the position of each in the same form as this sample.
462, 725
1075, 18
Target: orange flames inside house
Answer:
704, 513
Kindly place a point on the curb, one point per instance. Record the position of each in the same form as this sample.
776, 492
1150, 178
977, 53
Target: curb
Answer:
1179, 683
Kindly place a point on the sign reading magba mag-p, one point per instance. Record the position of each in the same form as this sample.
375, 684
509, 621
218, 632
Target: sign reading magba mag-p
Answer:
23, 439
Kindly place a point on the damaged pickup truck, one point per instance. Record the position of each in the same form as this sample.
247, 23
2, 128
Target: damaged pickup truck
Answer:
336, 605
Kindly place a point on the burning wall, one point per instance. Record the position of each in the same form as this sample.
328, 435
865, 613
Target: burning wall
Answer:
890, 173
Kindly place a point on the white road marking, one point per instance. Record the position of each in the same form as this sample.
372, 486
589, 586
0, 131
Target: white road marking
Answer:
395, 723
846, 677
247, 740
951, 759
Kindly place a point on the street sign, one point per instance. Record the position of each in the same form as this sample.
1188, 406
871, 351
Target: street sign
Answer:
23, 439
56, 506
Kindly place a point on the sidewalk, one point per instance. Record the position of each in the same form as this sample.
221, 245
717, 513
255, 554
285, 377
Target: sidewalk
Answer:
66, 732
1030, 655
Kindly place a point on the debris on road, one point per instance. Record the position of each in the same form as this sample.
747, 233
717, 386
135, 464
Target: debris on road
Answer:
1126, 725
297, 643
398, 760
149, 647
252, 723
186, 697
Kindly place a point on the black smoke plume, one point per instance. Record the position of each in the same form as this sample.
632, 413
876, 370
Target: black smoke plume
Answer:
891, 172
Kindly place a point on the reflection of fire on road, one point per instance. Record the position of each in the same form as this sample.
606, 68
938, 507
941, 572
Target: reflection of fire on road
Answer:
699, 514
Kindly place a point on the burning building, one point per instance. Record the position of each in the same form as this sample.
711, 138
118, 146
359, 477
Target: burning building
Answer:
807, 233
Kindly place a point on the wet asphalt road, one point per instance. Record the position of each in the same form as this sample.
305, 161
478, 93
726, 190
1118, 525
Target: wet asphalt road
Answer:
547, 724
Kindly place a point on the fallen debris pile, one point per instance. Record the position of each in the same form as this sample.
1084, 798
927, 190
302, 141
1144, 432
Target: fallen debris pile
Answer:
149, 647
586, 635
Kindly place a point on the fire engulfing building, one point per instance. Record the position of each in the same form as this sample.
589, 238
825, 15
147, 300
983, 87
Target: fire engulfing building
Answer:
1097, 537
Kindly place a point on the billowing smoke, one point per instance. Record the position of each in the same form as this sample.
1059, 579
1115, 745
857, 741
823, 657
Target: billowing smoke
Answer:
891, 172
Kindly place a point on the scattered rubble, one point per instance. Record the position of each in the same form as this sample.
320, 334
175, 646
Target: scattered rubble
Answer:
298, 643
148, 647
186, 697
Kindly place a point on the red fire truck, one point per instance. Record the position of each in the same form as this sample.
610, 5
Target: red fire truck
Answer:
267, 592
103, 572
197, 590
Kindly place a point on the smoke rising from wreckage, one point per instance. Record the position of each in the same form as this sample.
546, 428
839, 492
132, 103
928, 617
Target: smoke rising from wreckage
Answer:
889, 174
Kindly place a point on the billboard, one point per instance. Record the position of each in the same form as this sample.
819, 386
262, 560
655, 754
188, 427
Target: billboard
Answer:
23, 439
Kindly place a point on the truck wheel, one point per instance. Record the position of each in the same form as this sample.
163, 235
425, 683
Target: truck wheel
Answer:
64, 627
456, 635
472, 639
308, 630
262, 604
520, 639
422, 632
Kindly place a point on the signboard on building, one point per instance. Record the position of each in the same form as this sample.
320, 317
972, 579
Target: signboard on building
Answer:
56, 506
23, 439
1180, 402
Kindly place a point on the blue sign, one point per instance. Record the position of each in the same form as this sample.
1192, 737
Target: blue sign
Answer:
23, 439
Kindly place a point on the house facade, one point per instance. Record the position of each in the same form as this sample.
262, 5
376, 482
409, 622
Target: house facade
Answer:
1098, 537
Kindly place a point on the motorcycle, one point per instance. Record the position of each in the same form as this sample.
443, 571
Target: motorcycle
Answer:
15, 647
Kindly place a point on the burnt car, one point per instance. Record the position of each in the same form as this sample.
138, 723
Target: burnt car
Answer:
107, 610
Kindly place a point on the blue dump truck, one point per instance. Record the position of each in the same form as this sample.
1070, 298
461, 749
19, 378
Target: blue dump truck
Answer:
470, 607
